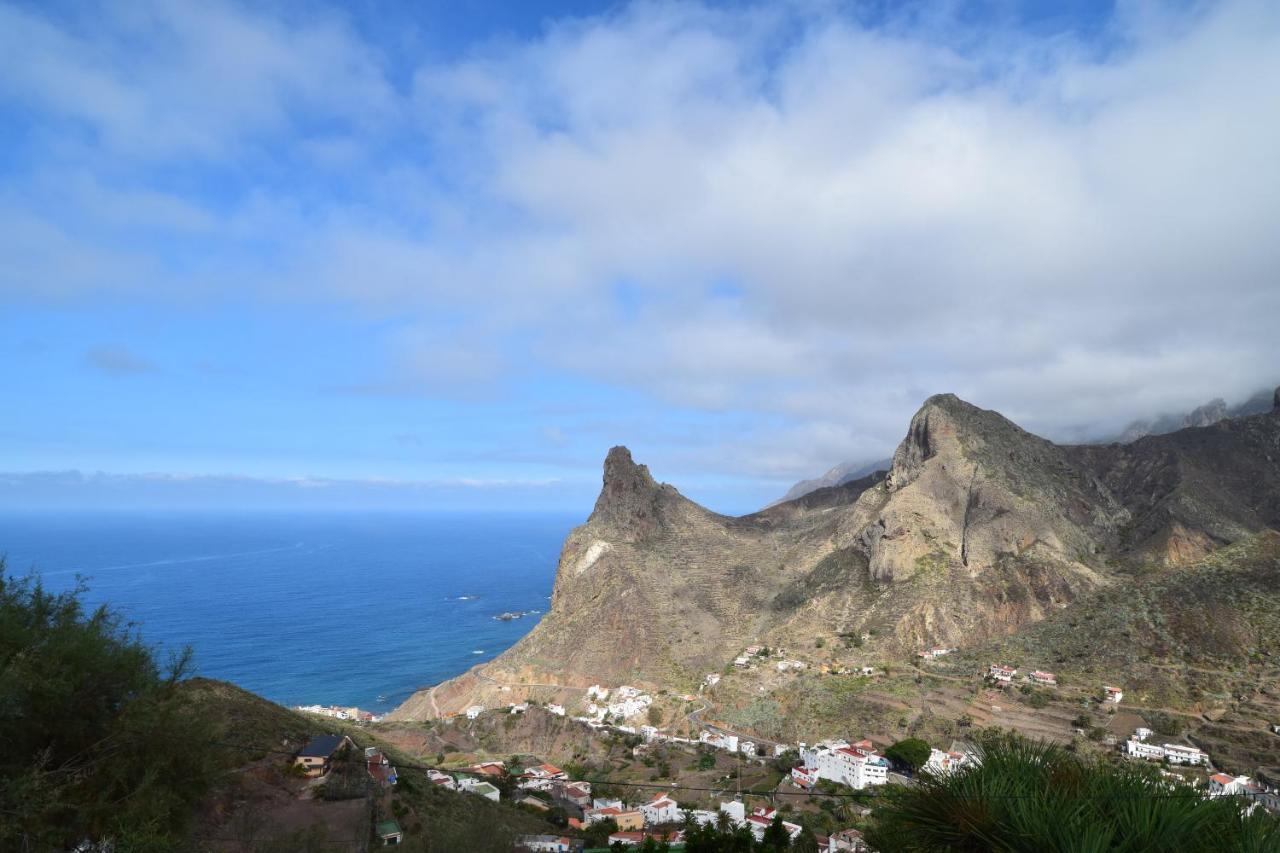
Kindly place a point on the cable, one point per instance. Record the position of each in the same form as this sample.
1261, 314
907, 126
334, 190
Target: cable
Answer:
675, 786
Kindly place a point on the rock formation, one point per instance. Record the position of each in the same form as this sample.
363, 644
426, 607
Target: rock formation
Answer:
978, 529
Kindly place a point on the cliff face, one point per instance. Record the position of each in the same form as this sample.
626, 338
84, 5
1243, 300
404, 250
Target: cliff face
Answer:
977, 530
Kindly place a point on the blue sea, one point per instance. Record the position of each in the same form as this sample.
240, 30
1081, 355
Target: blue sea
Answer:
350, 609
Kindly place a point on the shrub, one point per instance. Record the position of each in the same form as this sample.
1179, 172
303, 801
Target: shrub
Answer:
1028, 796
99, 743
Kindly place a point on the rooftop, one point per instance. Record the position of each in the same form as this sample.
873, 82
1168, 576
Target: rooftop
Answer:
322, 746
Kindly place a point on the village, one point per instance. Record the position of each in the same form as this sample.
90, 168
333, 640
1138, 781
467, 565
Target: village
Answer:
830, 764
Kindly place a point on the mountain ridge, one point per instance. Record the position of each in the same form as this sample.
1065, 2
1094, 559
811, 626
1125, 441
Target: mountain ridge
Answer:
978, 529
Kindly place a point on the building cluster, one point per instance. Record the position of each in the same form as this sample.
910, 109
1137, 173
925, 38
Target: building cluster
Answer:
316, 759
934, 653
1175, 753
477, 779
855, 765
959, 756
338, 713
1003, 675
635, 823
627, 702
1253, 793
547, 844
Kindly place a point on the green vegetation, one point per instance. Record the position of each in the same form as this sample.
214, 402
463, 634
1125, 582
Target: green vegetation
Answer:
98, 744
1028, 796
912, 752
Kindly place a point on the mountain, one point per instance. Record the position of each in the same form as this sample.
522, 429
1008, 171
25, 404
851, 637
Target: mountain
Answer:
1210, 413
845, 472
978, 530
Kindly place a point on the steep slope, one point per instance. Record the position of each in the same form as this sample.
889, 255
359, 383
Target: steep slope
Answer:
1205, 415
978, 530
652, 589
837, 475
1196, 489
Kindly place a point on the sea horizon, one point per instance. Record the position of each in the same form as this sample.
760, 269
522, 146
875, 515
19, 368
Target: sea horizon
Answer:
346, 607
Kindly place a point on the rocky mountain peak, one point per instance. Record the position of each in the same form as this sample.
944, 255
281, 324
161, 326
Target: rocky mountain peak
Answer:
933, 430
630, 498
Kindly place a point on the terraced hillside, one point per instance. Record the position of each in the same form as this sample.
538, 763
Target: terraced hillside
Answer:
978, 530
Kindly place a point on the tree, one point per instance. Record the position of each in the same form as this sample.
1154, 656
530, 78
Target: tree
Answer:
805, 843
776, 839
1092, 803
98, 742
597, 834
913, 752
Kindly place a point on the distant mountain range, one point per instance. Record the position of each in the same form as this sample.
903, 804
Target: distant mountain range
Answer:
1209, 413
977, 531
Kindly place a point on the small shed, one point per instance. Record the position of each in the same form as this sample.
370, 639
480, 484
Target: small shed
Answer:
389, 832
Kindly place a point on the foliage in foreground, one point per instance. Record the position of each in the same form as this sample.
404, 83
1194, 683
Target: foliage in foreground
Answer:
1028, 796
98, 745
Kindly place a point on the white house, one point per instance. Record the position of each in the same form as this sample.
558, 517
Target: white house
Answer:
661, 809
762, 818
474, 711
930, 654
711, 680
1112, 695
1135, 747
558, 710
847, 841
1002, 673
941, 763
1222, 785
519, 708
545, 843
595, 691
1180, 754
443, 780
857, 766
736, 811
779, 748
1048, 679
719, 741
805, 777
741, 661
542, 777
747, 748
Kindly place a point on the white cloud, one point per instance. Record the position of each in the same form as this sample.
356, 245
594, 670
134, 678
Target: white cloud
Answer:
809, 219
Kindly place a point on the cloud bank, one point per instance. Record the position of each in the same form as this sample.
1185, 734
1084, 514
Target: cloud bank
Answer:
790, 213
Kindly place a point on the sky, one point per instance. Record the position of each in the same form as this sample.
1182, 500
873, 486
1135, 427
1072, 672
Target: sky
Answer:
444, 255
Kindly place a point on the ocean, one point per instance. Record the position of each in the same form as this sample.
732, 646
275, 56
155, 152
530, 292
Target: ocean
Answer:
341, 608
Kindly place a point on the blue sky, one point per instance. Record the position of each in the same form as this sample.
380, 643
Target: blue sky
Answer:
446, 254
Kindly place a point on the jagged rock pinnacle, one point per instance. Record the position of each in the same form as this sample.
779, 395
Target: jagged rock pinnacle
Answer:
628, 500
